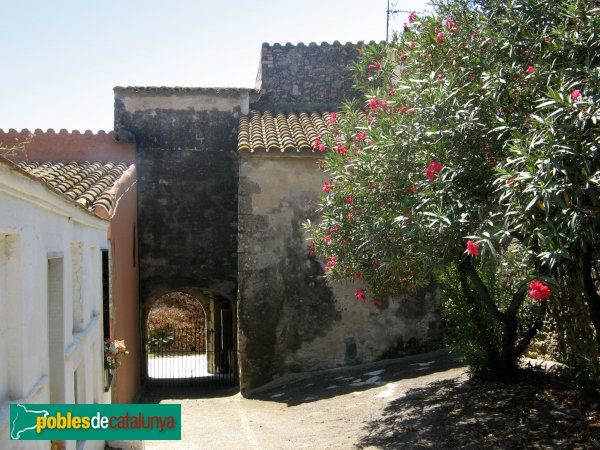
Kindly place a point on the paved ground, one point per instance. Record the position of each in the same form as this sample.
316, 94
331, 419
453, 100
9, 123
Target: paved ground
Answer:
420, 403
327, 410
187, 366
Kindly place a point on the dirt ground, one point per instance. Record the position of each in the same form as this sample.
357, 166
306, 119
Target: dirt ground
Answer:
422, 402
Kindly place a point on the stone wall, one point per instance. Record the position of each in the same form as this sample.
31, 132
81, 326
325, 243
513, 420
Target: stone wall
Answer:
187, 170
305, 77
290, 319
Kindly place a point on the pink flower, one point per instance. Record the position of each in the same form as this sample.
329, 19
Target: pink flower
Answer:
317, 143
383, 103
575, 94
411, 17
332, 117
360, 294
449, 23
382, 203
327, 239
322, 148
349, 216
402, 109
430, 174
510, 180
412, 190
358, 275
435, 166
377, 302
392, 91
530, 69
453, 30
440, 37
539, 290
361, 136
377, 65
373, 103
342, 149
326, 186
349, 199
312, 244
472, 248
377, 262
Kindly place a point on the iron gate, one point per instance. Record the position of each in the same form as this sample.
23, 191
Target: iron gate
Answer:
189, 357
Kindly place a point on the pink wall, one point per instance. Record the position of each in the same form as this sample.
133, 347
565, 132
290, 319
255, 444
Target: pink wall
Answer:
75, 146
125, 320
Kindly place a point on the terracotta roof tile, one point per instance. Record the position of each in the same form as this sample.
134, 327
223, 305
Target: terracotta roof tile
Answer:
291, 132
88, 183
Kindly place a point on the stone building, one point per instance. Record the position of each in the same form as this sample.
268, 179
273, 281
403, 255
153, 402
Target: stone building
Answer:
226, 177
209, 191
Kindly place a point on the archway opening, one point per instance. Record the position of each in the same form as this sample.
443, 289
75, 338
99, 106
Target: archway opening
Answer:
190, 340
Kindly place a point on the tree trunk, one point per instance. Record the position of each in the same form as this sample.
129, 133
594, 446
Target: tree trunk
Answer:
474, 313
590, 292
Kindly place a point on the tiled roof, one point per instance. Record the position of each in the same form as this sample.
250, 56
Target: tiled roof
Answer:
87, 183
284, 132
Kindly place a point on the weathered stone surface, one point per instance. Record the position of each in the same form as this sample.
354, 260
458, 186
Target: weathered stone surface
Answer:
290, 318
187, 185
306, 78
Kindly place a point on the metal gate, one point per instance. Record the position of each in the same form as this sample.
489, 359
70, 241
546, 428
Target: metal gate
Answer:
189, 357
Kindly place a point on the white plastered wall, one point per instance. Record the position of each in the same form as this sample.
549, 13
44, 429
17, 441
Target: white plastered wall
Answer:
36, 226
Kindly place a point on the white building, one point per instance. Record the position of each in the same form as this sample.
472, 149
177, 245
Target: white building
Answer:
51, 337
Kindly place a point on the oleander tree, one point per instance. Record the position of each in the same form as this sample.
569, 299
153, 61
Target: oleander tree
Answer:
473, 160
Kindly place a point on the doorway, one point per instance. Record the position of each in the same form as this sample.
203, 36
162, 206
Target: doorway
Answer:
190, 340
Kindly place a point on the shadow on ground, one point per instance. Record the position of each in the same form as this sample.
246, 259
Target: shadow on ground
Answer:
534, 411
348, 379
156, 394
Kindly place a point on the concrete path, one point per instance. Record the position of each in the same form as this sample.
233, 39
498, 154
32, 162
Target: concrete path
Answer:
325, 410
187, 366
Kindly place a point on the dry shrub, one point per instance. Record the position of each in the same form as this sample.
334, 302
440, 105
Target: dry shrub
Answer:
183, 316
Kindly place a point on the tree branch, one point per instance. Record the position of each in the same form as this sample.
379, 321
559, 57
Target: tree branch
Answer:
482, 290
530, 334
517, 300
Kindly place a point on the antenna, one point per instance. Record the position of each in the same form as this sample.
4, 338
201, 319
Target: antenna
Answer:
391, 12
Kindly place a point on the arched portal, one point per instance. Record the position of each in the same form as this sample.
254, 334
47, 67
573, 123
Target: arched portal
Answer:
190, 339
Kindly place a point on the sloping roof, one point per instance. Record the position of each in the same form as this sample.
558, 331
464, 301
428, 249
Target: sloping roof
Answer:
87, 183
283, 132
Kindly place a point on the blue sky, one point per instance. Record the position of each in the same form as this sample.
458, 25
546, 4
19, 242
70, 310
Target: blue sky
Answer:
61, 58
